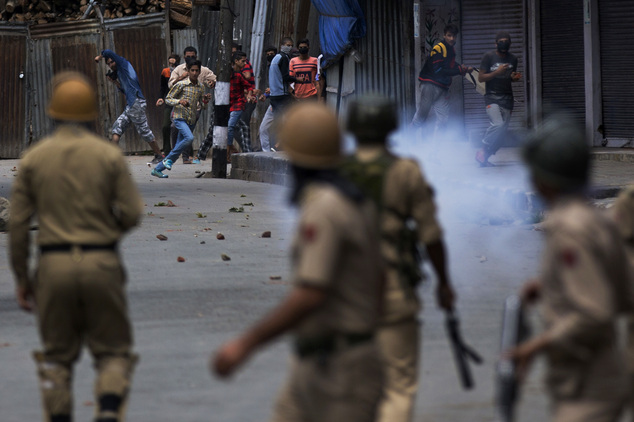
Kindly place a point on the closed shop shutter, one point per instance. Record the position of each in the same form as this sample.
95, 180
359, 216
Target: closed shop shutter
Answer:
481, 20
562, 56
616, 20
13, 93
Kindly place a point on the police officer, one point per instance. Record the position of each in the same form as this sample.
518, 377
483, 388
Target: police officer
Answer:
584, 283
337, 274
623, 214
405, 198
78, 186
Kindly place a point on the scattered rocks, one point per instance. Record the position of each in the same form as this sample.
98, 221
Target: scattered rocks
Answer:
180, 259
4, 214
220, 236
225, 257
266, 234
165, 204
161, 237
275, 277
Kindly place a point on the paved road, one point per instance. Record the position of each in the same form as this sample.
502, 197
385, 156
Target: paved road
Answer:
182, 311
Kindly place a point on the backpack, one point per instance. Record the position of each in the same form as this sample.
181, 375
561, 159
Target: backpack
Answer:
369, 177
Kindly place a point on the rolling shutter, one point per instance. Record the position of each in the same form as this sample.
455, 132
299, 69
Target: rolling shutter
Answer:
616, 20
562, 56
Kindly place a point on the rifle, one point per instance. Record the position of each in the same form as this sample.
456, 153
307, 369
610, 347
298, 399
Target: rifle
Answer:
514, 331
461, 351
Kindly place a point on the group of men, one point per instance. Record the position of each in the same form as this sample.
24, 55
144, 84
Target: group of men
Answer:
498, 70
354, 303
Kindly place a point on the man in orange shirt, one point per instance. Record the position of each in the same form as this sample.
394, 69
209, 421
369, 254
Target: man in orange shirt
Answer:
304, 68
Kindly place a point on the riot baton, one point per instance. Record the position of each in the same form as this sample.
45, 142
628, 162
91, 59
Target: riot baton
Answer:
514, 331
461, 351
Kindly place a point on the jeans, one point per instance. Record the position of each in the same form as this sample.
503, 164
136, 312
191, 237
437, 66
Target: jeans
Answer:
184, 140
432, 95
265, 126
245, 137
233, 120
494, 136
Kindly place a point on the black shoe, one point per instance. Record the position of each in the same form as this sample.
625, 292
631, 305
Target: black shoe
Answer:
157, 158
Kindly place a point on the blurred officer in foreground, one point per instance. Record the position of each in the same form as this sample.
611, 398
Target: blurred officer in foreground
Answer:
623, 213
407, 219
584, 284
333, 307
78, 186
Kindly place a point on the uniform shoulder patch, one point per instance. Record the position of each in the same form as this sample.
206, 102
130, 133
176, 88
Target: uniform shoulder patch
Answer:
569, 257
308, 232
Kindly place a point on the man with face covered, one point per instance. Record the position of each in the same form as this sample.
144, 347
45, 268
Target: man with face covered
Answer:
498, 69
280, 77
305, 65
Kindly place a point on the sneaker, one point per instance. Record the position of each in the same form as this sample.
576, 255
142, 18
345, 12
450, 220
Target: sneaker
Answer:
157, 159
168, 163
159, 174
196, 161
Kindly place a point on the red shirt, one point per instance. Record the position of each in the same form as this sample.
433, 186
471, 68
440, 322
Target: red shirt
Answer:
248, 68
239, 84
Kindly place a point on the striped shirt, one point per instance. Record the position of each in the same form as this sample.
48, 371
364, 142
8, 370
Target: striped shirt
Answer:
185, 90
308, 68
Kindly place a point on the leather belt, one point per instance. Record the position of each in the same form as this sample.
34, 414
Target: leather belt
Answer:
67, 247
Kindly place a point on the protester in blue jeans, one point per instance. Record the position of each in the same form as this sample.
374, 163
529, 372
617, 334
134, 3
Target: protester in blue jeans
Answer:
240, 92
184, 97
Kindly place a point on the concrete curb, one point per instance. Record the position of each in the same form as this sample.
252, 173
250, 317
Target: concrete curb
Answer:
274, 168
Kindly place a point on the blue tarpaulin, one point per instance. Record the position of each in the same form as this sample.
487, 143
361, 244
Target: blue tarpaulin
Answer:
340, 23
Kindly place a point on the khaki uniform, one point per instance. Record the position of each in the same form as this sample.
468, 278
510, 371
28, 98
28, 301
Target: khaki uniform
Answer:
78, 186
586, 285
623, 213
406, 194
336, 373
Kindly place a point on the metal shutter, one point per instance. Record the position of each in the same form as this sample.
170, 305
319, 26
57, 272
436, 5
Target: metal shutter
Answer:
616, 20
562, 57
481, 20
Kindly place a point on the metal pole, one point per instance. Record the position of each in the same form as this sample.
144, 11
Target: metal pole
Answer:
221, 100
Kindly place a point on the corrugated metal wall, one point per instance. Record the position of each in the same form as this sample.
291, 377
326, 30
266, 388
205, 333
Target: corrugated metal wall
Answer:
43, 50
205, 20
387, 53
53, 48
243, 24
13, 89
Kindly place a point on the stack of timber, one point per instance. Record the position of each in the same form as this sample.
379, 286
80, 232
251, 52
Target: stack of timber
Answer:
45, 11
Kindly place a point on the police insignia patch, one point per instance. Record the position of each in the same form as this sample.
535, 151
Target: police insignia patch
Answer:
569, 257
309, 232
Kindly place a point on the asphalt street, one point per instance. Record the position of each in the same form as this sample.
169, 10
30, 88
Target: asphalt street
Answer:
182, 311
